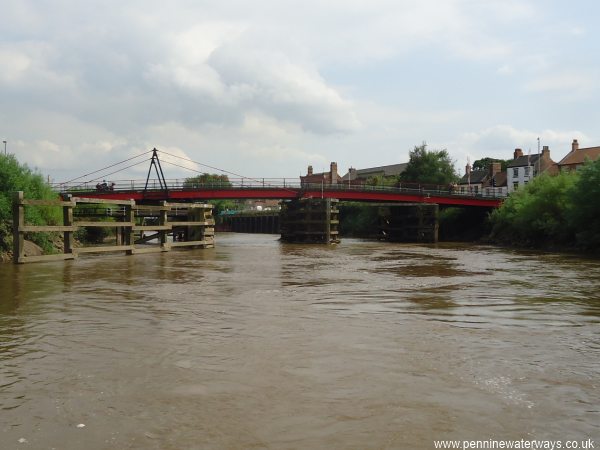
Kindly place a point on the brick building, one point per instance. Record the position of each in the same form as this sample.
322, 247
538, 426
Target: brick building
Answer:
331, 177
577, 156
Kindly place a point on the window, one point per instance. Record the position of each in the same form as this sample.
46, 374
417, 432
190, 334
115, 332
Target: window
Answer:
516, 172
515, 186
527, 171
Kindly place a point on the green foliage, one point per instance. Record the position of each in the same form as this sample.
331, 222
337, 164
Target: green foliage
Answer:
213, 180
585, 206
537, 213
19, 177
430, 167
381, 180
93, 235
358, 219
5, 237
484, 163
207, 179
224, 205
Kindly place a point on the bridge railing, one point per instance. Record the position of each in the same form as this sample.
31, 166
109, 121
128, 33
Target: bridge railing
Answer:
274, 183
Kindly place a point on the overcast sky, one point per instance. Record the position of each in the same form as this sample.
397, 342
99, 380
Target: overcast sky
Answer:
267, 87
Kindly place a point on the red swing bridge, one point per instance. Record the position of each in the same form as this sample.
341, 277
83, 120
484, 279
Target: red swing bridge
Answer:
157, 188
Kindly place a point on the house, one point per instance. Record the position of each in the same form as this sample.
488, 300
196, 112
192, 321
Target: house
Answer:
262, 205
577, 156
490, 182
382, 171
331, 177
523, 168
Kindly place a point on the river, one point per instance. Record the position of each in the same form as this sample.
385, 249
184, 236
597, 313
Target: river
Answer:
257, 344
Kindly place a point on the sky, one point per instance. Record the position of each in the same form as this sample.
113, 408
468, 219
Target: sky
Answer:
268, 87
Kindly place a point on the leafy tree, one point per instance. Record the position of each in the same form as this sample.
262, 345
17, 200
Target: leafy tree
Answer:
484, 163
213, 180
429, 166
537, 213
381, 180
207, 179
585, 206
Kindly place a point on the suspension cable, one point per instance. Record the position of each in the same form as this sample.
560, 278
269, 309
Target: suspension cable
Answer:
120, 170
108, 167
214, 168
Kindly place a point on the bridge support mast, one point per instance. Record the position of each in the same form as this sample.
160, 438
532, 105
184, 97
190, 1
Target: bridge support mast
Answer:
155, 162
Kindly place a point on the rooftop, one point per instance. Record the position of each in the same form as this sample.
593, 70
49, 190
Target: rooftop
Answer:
525, 160
578, 156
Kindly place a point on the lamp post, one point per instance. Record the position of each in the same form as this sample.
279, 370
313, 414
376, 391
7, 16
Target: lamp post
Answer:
4, 147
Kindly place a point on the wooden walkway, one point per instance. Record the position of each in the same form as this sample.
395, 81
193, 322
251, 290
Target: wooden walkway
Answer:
189, 224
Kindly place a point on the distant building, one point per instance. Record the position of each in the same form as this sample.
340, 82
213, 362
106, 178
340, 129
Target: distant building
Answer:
331, 177
364, 174
262, 205
523, 168
577, 156
488, 182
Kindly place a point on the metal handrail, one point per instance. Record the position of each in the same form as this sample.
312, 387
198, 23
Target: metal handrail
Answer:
268, 184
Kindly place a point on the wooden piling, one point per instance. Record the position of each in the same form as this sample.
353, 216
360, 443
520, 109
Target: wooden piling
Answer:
409, 222
195, 219
310, 221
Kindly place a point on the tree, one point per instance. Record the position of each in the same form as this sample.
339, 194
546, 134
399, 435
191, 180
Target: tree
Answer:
213, 180
538, 213
431, 167
381, 180
584, 213
484, 163
207, 179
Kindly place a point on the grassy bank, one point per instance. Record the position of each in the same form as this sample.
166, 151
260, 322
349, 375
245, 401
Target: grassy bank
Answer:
19, 177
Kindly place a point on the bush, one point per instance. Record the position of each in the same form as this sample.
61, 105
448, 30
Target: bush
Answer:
584, 213
19, 177
537, 213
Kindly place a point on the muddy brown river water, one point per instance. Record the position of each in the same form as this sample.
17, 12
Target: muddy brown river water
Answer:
261, 345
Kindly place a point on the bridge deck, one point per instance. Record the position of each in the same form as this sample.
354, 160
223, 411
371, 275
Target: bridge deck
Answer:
281, 189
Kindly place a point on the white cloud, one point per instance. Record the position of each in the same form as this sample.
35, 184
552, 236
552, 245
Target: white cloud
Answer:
500, 141
571, 84
268, 87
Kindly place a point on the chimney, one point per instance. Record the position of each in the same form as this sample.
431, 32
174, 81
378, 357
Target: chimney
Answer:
310, 171
468, 168
546, 152
574, 145
333, 172
495, 167
518, 153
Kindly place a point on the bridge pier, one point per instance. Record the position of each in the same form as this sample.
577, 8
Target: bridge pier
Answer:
310, 220
409, 222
